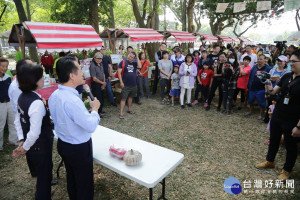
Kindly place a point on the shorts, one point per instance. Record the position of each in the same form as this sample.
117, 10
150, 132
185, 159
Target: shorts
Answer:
129, 91
175, 92
259, 96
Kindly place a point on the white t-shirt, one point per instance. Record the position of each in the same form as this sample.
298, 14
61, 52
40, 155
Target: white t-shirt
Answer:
253, 57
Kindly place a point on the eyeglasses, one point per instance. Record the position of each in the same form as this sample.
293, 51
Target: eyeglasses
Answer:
293, 61
99, 58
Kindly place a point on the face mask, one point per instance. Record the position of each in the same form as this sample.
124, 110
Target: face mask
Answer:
231, 60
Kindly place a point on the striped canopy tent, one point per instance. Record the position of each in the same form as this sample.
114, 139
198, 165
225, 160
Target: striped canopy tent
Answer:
235, 40
136, 35
207, 37
245, 40
225, 39
179, 36
55, 37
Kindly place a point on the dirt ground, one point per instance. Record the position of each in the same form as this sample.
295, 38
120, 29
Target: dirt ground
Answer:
215, 147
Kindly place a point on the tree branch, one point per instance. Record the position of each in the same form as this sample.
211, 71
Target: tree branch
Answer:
3, 11
144, 9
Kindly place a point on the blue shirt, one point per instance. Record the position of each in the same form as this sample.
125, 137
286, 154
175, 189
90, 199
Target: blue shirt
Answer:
72, 121
130, 73
105, 63
256, 82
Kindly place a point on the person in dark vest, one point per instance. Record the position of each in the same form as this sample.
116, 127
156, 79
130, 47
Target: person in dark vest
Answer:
36, 125
158, 57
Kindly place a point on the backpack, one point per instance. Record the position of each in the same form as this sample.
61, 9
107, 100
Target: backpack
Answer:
122, 73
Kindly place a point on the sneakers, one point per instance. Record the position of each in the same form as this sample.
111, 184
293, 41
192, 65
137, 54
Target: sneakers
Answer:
172, 104
163, 102
207, 108
182, 106
205, 104
189, 105
168, 102
265, 164
195, 102
247, 114
284, 175
218, 109
259, 117
224, 112
229, 113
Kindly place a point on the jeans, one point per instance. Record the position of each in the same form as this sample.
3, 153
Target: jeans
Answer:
217, 83
97, 92
144, 80
156, 79
109, 91
163, 83
227, 95
204, 92
236, 92
277, 128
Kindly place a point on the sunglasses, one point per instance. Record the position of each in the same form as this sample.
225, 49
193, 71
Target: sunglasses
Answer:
293, 61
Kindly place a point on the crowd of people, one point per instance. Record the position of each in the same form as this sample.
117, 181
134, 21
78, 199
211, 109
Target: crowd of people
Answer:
271, 78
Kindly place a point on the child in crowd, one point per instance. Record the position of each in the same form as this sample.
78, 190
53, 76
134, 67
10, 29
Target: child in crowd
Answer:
270, 112
175, 89
205, 79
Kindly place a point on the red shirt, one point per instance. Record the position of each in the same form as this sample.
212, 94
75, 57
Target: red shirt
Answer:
47, 61
242, 81
205, 76
144, 64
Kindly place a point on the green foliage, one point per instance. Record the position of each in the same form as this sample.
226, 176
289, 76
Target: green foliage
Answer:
9, 17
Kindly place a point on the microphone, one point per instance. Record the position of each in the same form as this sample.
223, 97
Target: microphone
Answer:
88, 91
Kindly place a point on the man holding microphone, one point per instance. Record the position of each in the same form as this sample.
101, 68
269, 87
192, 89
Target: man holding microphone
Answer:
74, 125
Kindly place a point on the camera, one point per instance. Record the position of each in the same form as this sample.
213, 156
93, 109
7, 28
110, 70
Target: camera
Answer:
280, 45
264, 78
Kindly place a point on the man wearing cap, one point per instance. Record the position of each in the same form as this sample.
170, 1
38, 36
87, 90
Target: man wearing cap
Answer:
249, 53
98, 80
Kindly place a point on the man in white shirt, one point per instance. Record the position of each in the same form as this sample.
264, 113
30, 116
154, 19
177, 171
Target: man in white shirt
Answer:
74, 125
249, 53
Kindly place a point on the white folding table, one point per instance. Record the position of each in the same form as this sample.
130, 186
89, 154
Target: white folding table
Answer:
157, 162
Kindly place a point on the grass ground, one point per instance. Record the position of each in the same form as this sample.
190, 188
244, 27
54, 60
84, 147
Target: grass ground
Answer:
215, 146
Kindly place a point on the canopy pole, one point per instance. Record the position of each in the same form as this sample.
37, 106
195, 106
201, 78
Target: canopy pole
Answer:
21, 39
145, 48
115, 42
109, 38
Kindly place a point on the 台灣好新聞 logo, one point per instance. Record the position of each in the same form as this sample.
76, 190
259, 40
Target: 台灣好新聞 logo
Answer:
232, 186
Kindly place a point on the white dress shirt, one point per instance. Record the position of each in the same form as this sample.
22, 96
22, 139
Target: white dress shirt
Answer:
14, 92
36, 113
72, 121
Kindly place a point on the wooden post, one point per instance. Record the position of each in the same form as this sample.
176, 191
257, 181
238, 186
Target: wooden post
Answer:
21, 40
115, 42
109, 38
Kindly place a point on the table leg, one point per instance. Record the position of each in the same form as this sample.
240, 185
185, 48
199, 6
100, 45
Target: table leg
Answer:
163, 190
150, 194
59, 166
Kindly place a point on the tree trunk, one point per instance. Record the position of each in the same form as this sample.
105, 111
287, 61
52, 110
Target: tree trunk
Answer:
137, 14
190, 12
28, 10
165, 16
112, 15
93, 15
20, 10
184, 15
33, 54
